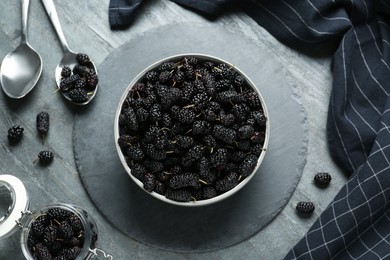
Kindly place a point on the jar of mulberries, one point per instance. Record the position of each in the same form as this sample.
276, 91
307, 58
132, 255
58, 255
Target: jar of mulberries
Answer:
57, 231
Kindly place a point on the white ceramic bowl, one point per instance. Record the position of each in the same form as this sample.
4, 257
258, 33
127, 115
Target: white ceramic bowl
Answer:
201, 57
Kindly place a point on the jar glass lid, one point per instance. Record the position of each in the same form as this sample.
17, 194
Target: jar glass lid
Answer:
13, 203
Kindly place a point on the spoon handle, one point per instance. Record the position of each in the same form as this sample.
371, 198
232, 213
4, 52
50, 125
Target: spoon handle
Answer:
25, 6
52, 13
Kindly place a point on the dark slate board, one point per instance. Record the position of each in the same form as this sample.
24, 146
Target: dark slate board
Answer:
144, 218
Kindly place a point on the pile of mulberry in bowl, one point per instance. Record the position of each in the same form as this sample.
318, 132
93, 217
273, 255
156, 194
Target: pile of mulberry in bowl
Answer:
191, 129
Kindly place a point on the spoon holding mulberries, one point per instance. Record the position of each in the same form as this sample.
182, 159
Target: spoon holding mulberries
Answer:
76, 75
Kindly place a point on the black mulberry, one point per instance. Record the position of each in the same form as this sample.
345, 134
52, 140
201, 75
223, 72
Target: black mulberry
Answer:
187, 179
305, 207
82, 59
45, 157
322, 178
15, 133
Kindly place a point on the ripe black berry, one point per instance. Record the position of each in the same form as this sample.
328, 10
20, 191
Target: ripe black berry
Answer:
66, 72
42, 122
322, 178
82, 59
187, 179
304, 207
15, 133
45, 157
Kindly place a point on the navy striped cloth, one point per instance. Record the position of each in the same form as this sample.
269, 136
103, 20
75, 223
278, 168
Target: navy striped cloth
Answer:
356, 224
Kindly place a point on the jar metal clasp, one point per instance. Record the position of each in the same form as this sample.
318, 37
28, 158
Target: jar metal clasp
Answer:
24, 213
95, 252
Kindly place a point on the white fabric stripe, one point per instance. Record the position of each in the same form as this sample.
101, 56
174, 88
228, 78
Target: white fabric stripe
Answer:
332, 106
367, 99
303, 21
124, 8
366, 64
326, 17
375, 41
281, 21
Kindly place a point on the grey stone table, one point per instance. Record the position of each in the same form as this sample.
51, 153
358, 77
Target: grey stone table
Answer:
85, 24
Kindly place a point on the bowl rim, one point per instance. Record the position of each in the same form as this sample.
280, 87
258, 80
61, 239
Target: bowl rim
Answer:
196, 203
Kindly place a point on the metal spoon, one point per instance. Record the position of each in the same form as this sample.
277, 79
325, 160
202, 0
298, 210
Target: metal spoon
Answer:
21, 68
69, 58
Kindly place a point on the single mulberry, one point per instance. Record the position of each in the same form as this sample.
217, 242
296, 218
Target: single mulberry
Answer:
78, 95
181, 195
15, 133
149, 182
91, 79
247, 165
42, 122
66, 71
58, 214
322, 178
245, 131
227, 182
135, 153
187, 179
305, 207
82, 59
224, 134
44, 157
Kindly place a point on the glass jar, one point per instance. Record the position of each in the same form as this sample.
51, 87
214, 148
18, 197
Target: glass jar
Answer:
17, 216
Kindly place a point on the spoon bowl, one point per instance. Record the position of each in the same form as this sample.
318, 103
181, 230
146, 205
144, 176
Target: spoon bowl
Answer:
69, 60
21, 68
69, 57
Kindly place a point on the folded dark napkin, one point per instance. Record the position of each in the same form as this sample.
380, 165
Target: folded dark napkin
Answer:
356, 224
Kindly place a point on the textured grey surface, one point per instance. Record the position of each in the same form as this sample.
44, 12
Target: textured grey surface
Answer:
85, 25
191, 229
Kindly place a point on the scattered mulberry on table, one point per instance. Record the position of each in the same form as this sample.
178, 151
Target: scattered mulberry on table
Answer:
45, 157
305, 207
42, 122
15, 133
322, 178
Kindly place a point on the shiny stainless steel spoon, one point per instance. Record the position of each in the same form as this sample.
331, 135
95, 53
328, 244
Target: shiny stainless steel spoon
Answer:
69, 58
21, 68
